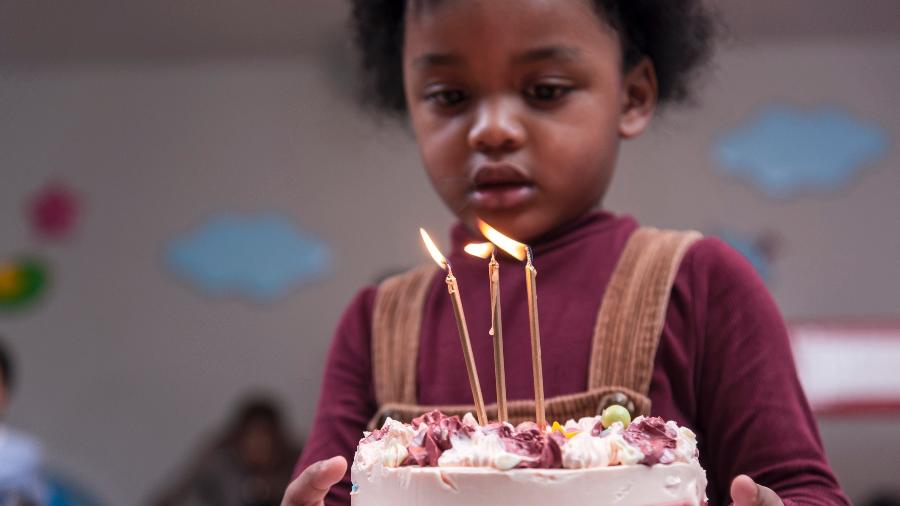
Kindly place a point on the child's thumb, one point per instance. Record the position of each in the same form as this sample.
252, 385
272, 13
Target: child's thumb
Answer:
745, 492
311, 487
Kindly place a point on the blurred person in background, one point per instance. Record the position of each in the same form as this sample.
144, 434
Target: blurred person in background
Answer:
22, 480
250, 464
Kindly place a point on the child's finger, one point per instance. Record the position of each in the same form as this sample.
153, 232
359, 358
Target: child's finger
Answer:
311, 487
745, 492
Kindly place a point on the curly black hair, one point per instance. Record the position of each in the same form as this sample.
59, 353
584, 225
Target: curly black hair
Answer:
676, 35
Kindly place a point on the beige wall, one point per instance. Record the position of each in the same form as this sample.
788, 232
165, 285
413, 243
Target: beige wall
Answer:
124, 368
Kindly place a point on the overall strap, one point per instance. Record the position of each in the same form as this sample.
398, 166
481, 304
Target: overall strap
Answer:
396, 321
633, 312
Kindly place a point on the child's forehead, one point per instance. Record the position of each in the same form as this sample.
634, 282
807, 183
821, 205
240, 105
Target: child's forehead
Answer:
480, 14
532, 28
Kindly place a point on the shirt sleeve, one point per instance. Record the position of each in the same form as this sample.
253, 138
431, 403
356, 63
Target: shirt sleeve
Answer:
347, 399
752, 411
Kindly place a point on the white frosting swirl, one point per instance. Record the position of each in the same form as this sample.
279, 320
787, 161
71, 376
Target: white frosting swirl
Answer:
623, 452
390, 450
584, 450
585, 424
685, 444
478, 450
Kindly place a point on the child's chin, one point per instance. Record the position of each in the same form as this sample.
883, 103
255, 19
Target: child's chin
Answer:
522, 224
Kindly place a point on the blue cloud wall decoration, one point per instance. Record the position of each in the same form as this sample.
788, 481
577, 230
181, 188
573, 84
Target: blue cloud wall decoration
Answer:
257, 256
784, 150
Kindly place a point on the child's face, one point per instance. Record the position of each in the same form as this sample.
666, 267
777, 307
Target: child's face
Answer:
518, 107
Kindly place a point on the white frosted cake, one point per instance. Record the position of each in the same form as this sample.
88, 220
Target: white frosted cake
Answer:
438, 460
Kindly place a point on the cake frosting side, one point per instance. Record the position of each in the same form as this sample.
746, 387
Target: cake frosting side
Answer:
657, 485
439, 460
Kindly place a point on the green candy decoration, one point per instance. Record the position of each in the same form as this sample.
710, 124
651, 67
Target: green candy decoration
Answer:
613, 414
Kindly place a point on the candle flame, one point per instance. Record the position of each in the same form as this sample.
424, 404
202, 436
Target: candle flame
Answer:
433, 249
480, 249
513, 247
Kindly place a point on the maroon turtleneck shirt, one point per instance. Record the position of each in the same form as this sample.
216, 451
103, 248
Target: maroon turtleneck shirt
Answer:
723, 368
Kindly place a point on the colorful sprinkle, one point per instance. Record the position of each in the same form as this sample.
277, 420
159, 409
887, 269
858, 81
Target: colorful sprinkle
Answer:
557, 427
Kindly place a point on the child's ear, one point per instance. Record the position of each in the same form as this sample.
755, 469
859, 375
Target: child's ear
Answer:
639, 92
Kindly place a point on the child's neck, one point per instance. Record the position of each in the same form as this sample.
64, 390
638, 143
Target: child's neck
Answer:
589, 216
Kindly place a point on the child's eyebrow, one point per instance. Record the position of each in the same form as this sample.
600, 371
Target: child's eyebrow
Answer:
435, 59
554, 52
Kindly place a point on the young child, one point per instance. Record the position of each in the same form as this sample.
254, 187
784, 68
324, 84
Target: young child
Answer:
518, 108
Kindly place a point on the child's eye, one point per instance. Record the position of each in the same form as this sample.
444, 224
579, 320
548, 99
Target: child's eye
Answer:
547, 92
447, 99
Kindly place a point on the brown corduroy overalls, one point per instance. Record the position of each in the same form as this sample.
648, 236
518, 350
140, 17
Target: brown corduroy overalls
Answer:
626, 335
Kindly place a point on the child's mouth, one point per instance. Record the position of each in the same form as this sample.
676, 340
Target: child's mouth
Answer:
501, 196
499, 187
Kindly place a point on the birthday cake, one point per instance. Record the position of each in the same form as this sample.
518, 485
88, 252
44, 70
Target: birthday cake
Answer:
439, 460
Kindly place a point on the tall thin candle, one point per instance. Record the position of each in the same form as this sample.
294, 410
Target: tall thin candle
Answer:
531, 288
497, 332
453, 288
483, 250
523, 252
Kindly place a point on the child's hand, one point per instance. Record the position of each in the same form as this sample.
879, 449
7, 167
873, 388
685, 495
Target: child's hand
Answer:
311, 487
745, 492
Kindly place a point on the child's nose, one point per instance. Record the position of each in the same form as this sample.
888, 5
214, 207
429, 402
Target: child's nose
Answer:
496, 128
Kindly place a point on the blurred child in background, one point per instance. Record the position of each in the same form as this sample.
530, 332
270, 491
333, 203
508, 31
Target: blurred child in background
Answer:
249, 464
22, 480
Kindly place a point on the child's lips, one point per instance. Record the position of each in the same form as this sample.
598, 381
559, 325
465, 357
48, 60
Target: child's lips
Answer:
500, 186
500, 196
